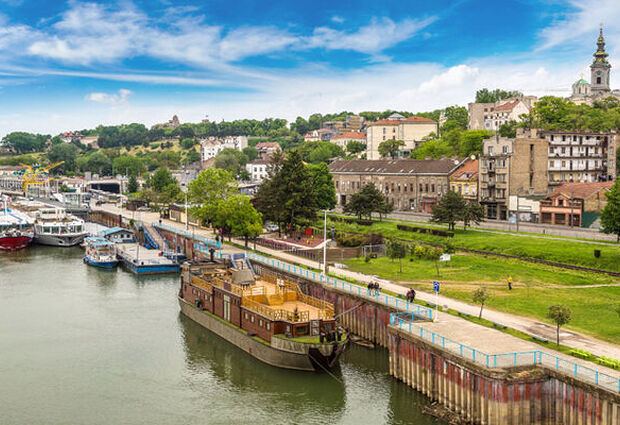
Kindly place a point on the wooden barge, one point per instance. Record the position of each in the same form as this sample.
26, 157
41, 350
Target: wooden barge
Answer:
267, 317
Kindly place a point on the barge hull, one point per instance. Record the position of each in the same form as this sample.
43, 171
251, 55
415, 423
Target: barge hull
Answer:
256, 349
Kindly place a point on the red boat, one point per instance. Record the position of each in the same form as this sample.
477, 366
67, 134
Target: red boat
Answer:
16, 229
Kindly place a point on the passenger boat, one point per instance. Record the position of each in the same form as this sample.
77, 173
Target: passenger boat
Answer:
100, 252
266, 316
16, 229
54, 226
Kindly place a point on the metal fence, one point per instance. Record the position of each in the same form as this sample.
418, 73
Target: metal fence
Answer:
525, 358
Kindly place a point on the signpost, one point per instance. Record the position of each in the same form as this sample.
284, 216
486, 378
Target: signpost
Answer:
436, 290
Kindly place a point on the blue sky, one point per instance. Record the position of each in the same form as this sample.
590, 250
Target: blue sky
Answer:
72, 64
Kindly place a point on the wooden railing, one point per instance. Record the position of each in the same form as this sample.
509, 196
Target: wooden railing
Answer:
275, 314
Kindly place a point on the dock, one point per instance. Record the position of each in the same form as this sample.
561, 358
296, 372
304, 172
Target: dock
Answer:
142, 261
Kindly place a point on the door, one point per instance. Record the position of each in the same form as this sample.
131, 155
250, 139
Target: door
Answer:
227, 308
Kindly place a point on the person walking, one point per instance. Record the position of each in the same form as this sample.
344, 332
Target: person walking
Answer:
509, 283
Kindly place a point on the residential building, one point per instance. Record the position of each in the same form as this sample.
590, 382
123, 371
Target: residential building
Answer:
267, 149
257, 169
210, 147
322, 134
69, 136
350, 123
575, 204
343, 138
577, 156
511, 167
409, 184
464, 180
490, 116
187, 173
410, 130
172, 123
524, 208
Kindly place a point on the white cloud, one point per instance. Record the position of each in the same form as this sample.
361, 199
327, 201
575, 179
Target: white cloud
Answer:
455, 76
337, 19
109, 98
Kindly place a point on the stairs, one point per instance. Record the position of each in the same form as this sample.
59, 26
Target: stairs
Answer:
153, 239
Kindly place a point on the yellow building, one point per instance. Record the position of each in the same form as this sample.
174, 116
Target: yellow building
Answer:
464, 180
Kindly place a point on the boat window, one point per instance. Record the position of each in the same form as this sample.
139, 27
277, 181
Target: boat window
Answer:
301, 330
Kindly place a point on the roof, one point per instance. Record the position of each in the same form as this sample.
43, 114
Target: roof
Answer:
350, 135
580, 82
420, 120
398, 116
507, 106
468, 170
114, 230
393, 166
580, 190
259, 162
267, 145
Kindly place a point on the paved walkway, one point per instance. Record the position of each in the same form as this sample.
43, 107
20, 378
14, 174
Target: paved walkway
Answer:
524, 324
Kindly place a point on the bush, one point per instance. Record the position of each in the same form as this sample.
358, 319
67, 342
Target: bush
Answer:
367, 258
418, 251
449, 248
351, 241
582, 354
364, 222
608, 362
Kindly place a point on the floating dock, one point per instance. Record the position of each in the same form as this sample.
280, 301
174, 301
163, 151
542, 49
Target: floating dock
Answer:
142, 261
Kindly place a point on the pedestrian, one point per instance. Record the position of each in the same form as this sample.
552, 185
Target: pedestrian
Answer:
509, 283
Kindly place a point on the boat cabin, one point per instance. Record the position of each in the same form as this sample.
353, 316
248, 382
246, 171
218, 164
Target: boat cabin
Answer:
264, 306
117, 235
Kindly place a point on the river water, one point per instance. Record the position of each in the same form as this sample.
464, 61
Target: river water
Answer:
80, 345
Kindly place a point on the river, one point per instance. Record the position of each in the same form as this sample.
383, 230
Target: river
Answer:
80, 345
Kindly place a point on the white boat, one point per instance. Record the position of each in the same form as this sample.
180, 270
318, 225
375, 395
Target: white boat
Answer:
100, 252
53, 225
16, 229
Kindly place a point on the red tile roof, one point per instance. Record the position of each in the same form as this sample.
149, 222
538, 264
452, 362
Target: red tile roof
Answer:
580, 190
350, 135
506, 106
408, 120
468, 170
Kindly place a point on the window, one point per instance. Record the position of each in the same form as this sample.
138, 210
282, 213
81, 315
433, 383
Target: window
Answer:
252, 318
227, 308
426, 187
268, 326
504, 149
421, 187
260, 323
490, 150
245, 315
433, 187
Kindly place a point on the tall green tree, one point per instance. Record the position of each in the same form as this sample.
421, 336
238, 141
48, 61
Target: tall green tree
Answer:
66, 152
560, 315
23, 142
368, 200
449, 209
250, 152
397, 249
237, 215
160, 179
322, 185
610, 215
489, 96
132, 185
390, 148
480, 296
231, 160
353, 147
129, 165
207, 190
472, 213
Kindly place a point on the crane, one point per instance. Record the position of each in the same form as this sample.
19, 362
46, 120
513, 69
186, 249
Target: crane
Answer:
36, 174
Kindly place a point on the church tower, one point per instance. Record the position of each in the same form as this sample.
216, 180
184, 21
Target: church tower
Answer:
599, 70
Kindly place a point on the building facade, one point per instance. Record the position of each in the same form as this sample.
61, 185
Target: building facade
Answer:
209, 148
409, 184
511, 167
464, 180
343, 138
574, 204
257, 170
490, 116
267, 149
581, 156
410, 130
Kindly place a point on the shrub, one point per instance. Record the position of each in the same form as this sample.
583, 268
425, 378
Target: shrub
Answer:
351, 241
449, 248
418, 251
367, 258
364, 222
582, 354
608, 362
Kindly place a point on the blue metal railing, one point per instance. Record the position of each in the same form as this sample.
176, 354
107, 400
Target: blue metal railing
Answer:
524, 358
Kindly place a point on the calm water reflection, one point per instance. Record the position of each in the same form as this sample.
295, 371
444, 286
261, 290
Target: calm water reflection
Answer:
85, 346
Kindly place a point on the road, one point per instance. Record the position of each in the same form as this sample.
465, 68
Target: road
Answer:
525, 324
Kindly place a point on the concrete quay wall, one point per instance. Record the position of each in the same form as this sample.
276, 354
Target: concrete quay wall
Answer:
508, 396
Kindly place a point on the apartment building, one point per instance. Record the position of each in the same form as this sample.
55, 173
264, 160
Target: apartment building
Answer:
257, 170
350, 123
490, 116
210, 147
581, 156
409, 184
267, 149
464, 180
511, 167
343, 138
410, 130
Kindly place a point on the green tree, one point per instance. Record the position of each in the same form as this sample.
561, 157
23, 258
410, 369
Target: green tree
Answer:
237, 215
366, 201
132, 185
397, 249
456, 117
508, 129
490, 96
472, 213
471, 142
231, 160
560, 315
250, 152
160, 179
66, 152
610, 215
23, 142
353, 147
187, 143
480, 296
449, 209
390, 148
316, 152
191, 156
322, 185
209, 188
97, 162
435, 148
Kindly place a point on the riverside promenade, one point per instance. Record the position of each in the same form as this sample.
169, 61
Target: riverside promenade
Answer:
490, 341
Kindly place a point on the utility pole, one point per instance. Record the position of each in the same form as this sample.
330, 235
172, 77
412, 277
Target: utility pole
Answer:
571, 208
325, 245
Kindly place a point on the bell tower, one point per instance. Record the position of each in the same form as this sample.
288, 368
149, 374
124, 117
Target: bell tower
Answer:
600, 68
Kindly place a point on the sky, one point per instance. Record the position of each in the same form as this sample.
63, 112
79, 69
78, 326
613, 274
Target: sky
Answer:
70, 65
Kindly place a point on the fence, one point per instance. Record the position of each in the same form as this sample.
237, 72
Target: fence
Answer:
508, 359
351, 288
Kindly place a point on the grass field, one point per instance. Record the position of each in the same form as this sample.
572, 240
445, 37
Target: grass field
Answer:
545, 248
535, 288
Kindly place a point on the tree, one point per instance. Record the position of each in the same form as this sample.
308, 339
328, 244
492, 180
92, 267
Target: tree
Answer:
449, 209
65, 152
209, 188
491, 96
231, 160
480, 296
97, 162
397, 249
133, 186
435, 148
471, 142
472, 213
250, 152
129, 165
366, 201
390, 148
160, 179
560, 315
508, 129
191, 156
237, 215
316, 152
353, 147
322, 185
187, 143
23, 142
610, 215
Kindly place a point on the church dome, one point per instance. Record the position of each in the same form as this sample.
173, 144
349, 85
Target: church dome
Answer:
580, 82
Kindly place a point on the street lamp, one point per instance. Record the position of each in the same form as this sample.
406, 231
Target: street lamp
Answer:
184, 186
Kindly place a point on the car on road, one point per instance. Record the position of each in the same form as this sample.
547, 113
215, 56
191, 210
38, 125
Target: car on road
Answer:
272, 227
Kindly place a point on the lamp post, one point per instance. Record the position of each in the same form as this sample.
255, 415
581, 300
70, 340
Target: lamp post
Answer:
325, 244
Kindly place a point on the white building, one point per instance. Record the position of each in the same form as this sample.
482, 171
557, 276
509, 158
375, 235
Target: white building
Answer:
257, 170
343, 138
210, 147
411, 130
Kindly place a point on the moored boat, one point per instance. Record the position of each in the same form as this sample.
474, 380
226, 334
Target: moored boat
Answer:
266, 316
16, 229
100, 253
53, 225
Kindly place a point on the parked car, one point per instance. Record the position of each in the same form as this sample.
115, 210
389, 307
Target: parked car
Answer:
272, 227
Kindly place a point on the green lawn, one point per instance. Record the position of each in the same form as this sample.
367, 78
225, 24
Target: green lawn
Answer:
562, 251
535, 288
